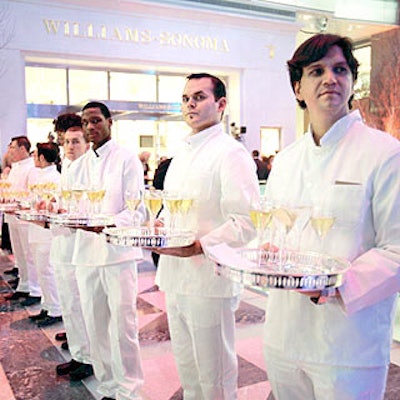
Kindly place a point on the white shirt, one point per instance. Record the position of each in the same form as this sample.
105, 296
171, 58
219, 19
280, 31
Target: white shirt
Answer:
220, 174
116, 170
20, 173
356, 173
62, 246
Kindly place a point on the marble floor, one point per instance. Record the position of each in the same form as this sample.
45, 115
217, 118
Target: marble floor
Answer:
29, 355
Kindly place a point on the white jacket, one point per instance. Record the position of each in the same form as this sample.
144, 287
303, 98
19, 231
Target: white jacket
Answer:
356, 174
115, 169
221, 176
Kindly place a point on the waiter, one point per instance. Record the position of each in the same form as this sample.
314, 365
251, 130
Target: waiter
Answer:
107, 274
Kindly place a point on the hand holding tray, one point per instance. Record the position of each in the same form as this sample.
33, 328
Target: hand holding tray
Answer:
143, 237
266, 270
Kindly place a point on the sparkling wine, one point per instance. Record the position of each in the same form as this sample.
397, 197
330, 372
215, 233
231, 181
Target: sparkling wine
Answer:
285, 217
77, 194
186, 205
95, 195
261, 219
153, 205
322, 225
173, 205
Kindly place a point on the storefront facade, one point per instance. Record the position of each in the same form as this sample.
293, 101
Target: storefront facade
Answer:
250, 54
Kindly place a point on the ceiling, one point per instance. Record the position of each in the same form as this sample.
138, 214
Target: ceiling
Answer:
357, 19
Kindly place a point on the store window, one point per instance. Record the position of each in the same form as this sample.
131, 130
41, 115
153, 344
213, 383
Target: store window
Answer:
46, 85
138, 131
170, 88
38, 130
133, 87
85, 85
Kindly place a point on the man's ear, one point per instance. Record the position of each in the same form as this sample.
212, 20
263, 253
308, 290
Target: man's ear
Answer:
221, 104
297, 91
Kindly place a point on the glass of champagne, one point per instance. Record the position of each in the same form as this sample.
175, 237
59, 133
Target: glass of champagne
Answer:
66, 196
77, 197
153, 200
261, 213
95, 197
133, 199
321, 221
173, 203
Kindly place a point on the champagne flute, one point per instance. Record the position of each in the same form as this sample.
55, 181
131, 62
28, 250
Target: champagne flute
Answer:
77, 196
321, 221
186, 205
95, 197
133, 199
66, 196
153, 201
261, 213
173, 203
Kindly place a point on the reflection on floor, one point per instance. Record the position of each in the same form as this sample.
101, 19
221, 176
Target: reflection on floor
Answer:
28, 355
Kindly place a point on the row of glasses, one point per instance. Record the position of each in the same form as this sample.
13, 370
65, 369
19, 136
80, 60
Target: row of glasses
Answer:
281, 225
73, 200
177, 205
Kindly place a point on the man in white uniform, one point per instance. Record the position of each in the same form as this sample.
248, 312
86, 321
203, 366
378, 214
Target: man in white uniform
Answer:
40, 237
219, 174
335, 344
107, 274
22, 170
75, 146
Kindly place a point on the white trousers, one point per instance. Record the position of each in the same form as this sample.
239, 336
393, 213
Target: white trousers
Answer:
299, 381
28, 278
62, 248
108, 298
74, 324
203, 342
46, 275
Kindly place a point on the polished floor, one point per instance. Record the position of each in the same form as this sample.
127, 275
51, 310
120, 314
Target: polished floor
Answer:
29, 355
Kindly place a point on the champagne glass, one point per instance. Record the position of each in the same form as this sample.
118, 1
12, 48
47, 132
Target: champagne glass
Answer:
133, 199
95, 197
173, 203
321, 221
77, 197
261, 213
66, 196
186, 205
153, 200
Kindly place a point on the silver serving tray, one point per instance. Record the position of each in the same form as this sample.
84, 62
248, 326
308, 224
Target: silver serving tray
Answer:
142, 237
80, 221
29, 215
290, 270
8, 207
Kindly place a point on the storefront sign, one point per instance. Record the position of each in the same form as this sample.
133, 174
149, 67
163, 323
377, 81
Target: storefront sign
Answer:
131, 35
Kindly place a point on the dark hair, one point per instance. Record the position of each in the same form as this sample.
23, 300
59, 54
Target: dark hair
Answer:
66, 121
103, 108
48, 150
22, 141
219, 86
316, 48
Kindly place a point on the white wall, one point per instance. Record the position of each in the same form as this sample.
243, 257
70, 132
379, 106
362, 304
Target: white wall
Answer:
252, 52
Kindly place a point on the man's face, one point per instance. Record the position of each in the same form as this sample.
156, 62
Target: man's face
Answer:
36, 159
97, 127
199, 107
60, 138
16, 152
326, 85
74, 143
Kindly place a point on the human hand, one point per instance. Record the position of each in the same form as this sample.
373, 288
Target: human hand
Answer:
187, 251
